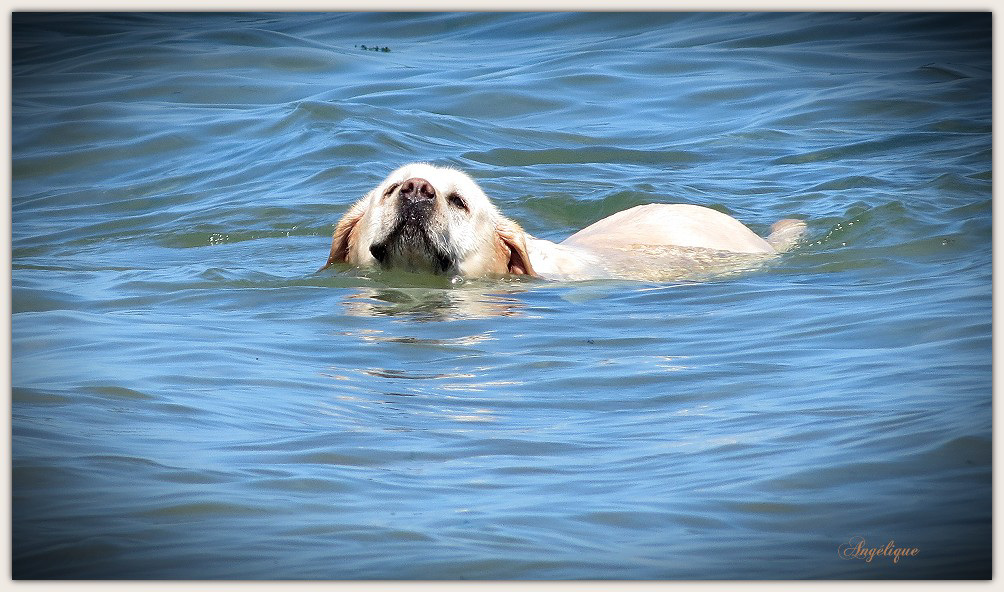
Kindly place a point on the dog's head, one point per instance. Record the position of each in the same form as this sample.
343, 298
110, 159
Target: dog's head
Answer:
425, 218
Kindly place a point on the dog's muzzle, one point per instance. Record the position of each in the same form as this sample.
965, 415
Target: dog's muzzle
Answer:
408, 245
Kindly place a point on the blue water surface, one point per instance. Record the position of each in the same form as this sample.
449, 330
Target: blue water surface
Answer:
191, 399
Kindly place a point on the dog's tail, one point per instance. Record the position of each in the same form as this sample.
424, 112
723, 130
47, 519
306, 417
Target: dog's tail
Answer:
784, 234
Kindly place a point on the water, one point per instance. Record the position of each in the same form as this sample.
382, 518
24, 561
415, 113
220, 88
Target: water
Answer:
192, 400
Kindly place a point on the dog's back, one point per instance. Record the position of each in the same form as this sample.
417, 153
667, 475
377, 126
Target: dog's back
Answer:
662, 242
683, 225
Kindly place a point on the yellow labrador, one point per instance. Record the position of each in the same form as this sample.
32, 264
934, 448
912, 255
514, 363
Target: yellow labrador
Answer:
425, 218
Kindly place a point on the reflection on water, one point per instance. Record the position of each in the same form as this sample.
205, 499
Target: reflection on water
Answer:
465, 300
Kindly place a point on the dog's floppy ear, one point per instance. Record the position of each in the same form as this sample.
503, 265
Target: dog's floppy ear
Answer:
512, 244
345, 234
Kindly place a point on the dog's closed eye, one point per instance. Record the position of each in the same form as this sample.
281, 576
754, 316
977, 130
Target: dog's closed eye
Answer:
457, 201
391, 189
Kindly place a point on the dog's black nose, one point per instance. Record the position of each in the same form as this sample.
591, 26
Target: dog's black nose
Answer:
417, 189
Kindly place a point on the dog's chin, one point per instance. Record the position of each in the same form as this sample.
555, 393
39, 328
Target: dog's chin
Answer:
409, 248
